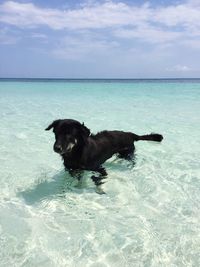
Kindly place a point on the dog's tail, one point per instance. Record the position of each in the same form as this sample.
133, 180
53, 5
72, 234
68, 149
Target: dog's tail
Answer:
149, 137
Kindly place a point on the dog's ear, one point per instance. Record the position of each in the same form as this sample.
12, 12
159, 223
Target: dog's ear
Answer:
85, 130
52, 125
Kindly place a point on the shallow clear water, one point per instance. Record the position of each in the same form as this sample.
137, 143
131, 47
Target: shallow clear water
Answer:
150, 213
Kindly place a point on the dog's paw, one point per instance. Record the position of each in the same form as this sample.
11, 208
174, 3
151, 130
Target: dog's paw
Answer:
99, 190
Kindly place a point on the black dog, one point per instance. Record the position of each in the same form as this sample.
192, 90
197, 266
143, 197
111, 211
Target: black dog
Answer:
82, 150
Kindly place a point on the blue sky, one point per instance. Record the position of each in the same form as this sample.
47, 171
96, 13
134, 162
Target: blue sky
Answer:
100, 39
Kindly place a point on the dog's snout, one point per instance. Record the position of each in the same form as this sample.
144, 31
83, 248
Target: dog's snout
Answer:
57, 148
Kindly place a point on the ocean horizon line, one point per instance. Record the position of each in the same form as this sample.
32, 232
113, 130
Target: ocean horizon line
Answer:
45, 79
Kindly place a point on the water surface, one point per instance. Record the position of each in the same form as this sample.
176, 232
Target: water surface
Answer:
149, 215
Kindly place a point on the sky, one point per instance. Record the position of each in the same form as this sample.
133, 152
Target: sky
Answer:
100, 39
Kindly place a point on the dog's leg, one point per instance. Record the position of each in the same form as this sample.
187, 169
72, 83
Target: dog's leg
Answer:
98, 180
77, 174
127, 153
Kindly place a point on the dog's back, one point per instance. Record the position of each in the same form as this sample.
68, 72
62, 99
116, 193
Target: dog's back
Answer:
113, 140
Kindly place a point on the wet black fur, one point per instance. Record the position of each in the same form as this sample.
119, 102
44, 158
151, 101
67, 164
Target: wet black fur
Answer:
91, 151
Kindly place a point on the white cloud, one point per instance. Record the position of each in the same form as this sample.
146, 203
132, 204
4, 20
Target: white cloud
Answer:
194, 3
147, 23
83, 47
98, 15
162, 25
194, 44
94, 16
8, 37
148, 33
38, 35
28, 15
183, 15
179, 68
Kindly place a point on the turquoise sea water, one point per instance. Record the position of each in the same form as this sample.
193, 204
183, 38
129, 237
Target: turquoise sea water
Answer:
150, 214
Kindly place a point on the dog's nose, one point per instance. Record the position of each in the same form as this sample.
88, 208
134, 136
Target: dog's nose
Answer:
57, 148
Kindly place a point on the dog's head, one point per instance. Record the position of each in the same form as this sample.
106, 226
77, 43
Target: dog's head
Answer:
69, 134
